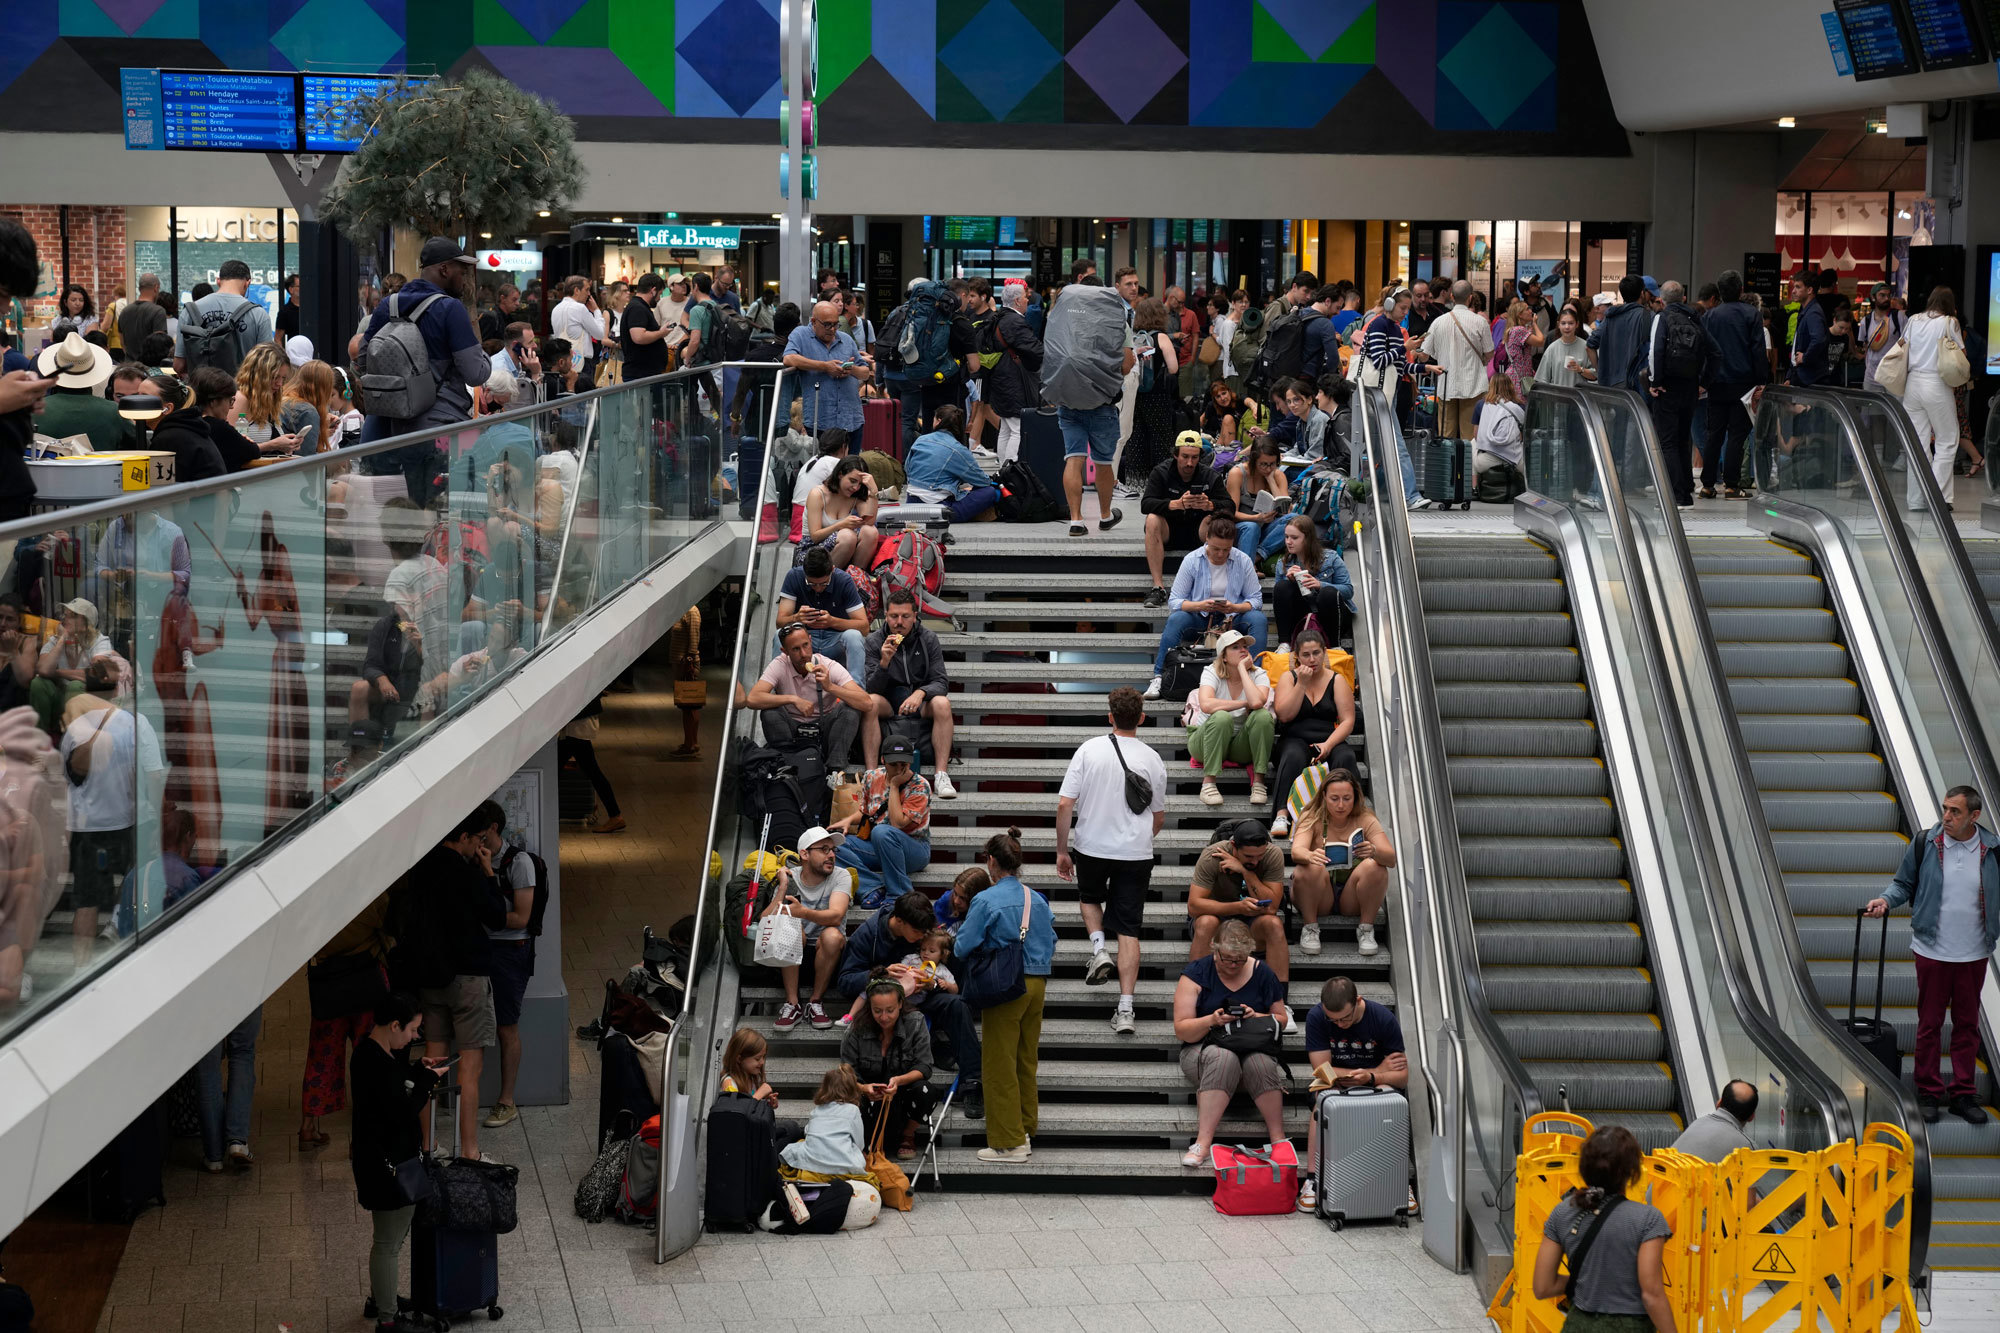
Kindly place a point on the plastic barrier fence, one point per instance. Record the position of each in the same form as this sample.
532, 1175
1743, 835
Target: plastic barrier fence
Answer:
1765, 1239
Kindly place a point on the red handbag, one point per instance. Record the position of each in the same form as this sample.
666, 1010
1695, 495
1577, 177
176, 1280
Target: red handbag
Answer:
1255, 1184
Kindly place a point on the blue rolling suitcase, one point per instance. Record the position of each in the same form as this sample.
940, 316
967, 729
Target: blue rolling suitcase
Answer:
453, 1273
1444, 470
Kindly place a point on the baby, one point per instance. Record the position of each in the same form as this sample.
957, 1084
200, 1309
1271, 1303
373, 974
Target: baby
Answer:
926, 963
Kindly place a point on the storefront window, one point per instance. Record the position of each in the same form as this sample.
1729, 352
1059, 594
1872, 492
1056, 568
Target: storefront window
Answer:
1850, 235
1791, 231
207, 238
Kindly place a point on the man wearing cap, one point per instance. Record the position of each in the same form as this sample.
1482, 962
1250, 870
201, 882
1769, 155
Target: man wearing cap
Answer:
225, 306
1180, 494
818, 892
60, 669
456, 357
74, 405
891, 826
1241, 875
1217, 587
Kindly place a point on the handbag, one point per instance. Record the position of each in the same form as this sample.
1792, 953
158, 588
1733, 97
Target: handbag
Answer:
1892, 372
889, 1178
1211, 351
1255, 1184
1138, 791
1952, 366
344, 985
413, 1179
1259, 1034
781, 940
999, 976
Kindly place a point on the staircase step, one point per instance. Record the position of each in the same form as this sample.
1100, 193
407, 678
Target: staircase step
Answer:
976, 703
1053, 639
1154, 997
1234, 784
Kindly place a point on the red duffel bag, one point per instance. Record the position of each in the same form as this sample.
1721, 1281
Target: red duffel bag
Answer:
1255, 1184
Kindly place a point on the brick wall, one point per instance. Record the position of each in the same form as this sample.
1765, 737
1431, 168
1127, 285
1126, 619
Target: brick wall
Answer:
97, 251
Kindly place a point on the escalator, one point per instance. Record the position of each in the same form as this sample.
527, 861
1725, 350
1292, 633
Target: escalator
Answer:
1561, 950
1983, 553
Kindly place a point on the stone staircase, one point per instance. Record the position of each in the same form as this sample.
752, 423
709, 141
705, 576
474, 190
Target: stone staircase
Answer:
1051, 625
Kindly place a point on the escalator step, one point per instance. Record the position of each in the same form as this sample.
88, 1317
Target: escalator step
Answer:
1563, 739
1565, 944
1495, 595
1549, 900
1832, 811
1769, 590
1612, 990
1562, 700
1775, 624
1527, 778
1474, 629
1858, 852
1550, 858
1806, 770
1795, 694
1584, 1036
1743, 658
1548, 817
1636, 1085
1516, 666
1825, 732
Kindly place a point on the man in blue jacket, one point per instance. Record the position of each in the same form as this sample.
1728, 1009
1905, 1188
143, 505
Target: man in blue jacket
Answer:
1620, 340
1809, 344
1736, 332
456, 356
1951, 879
888, 937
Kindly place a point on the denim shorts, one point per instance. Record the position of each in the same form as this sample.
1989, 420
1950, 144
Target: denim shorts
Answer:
1094, 430
513, 962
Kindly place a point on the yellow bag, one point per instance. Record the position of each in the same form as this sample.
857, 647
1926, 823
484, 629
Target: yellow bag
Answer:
1275, 663
889, 1177
1339, 659
773, 862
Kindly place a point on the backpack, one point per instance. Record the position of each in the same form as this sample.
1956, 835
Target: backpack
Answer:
915, 562
597, 1194
1149, 368
1023, 497
923, 345
1284, 352
887, 357
541, 901
771, 787
1680, 345
886, 469
396, 375
711, 340
639, 1196
1083, 354
732, 333
219, 344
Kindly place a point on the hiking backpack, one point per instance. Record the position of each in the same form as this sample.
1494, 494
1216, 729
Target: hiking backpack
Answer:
397, 378
1680, 345
770, 786
887, 358
923, 345
915, 562
1024, 498
219, 344
1284, 352
541, 900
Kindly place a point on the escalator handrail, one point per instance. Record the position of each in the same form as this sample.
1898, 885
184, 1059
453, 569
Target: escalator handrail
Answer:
1449, 899
1836, 1112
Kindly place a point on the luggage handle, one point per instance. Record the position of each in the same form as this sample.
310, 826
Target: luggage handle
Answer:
1881, 965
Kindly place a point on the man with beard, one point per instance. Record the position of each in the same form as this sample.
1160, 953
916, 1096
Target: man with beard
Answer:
435, 301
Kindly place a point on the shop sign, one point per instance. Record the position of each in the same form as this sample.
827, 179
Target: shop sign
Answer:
679, 236
509, 261
223, 224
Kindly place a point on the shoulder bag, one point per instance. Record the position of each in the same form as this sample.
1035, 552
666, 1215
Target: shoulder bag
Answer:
1952, 366
994, 977
1583, 1250
891, 1179
1892, 372
1138, 791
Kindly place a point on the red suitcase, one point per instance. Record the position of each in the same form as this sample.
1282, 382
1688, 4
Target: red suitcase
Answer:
882, 426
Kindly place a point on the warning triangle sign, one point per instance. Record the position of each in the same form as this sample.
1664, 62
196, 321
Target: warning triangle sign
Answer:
1773, 1260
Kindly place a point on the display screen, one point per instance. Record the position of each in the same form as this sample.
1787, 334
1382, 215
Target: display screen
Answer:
1876, 41
1946, 32
1992, 309
325, 94
220, 109
968, 231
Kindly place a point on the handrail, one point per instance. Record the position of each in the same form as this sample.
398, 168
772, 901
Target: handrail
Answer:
1721, 894
1453, 942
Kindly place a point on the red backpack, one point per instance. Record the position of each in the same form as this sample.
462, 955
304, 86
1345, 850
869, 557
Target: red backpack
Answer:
915, 562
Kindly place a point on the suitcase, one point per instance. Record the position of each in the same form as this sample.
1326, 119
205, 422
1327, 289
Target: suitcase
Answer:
742, 1163
882, 426
1876, 1037
128, 1175
453, 1273
1444, 469
931, 518
1042, 448
1364, 1155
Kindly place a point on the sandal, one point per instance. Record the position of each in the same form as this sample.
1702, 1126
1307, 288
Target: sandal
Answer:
308, 1142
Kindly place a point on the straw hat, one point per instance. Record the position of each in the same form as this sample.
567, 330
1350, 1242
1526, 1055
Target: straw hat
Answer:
75, 363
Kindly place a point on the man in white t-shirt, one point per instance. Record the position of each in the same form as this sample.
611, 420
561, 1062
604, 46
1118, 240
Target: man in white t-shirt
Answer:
511, 951
577, 320
105, 752
1110, 854
817, 892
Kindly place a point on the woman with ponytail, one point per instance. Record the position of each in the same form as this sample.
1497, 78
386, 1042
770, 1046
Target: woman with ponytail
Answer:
1010, 1033
1613, 1245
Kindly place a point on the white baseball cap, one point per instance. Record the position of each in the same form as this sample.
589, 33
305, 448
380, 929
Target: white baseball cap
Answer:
816, 835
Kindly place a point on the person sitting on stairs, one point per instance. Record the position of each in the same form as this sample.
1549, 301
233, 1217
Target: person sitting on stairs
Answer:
907, 678
1217, 586
1212, 991
1343, 858
1350, 1043
1240, 877
1237, 722
1180, 496
885, 938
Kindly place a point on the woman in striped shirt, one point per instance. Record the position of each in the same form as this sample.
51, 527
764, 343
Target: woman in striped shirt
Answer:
1382, 343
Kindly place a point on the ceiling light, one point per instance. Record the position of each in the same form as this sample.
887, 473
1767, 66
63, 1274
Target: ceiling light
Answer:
1788, 123
716, 223
618, 219
1876, 126
779, 216
544, 213
485, 235
1903, 213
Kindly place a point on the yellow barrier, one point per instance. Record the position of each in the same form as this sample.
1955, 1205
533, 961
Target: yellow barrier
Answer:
1766, 1237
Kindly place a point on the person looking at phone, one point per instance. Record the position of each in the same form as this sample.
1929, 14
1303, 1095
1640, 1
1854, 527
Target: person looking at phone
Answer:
1180, 495
834, 369
389, 1095
1343, 859
840, 515
827, 602
1312, 580
1262, 497
889, 1046
801, 688
1303, 429
1213, 991
1360, 1045
1217, 588
1241, 878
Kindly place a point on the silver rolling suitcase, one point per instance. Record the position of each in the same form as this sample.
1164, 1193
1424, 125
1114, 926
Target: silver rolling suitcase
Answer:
1364, 1155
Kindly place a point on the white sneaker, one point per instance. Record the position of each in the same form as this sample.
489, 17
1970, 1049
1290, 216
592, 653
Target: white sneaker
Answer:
1284, 650
1101, 969
1210, 793
1124, 491
942, 788
1309, 939
1366, 935
1282, 824
1291, 1022
1153, 688
1123, 1021
1421, 502
1020, 1154
1259, 794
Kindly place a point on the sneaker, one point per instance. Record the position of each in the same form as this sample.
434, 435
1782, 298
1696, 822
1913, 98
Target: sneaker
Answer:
1308, 1194
1309, 939
972, 1101
1210, 793
844, 1022
942, 788
1102, 968
1106, 524
788, 1017
817, 1016
1124, 490
1421, 502
1153, 688
1931, 1108
1017, 1155
240, 1156
1259, 794
1282, 824
1966, 1108
1156, 598
1078, 530
1366, 935
502, 1115
213, 1168
1123, 1021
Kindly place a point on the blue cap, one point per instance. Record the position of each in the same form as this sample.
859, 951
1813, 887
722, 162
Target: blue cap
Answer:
1652, 285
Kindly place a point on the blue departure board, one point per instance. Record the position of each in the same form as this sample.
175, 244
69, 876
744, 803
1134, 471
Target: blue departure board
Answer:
227, 110
1947, 33
325, 94
1876, 41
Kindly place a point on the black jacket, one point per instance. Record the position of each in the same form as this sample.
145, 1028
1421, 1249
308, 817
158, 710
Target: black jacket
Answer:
909, 1047
388, 1092
1014, 384
1166, 484
237, 452
17, 484
440, 912
185, 433
918, 662
1736, 331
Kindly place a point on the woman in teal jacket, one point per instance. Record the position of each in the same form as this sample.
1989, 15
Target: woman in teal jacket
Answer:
1011, 1033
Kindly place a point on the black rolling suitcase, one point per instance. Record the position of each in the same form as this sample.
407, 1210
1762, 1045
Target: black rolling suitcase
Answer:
1877, 1037
742, 1163
128, 1175
1444, 469
1042, 448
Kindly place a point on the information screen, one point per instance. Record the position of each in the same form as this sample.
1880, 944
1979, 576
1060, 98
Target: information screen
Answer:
1876, 41
325, 94
968, 231
1947, 33
211, 109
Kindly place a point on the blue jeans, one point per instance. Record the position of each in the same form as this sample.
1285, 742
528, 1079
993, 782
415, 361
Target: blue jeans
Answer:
952, 1028
884, 863
1186, 624
973, 503
845, 645
1093, 430
225, 1123
1410, 492
1258, 540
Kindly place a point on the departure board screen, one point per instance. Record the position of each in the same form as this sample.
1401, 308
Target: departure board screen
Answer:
1876, 41
1947, 33
227, 110
968, 231
325, 95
